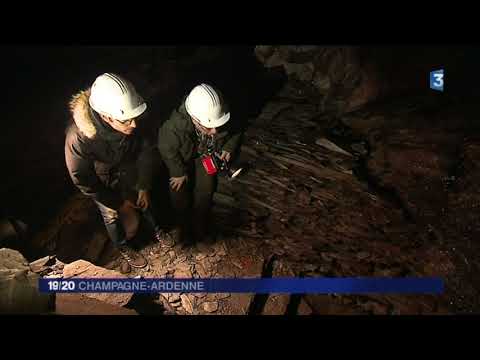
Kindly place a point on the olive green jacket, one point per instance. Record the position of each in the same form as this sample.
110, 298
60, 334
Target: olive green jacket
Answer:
177, 141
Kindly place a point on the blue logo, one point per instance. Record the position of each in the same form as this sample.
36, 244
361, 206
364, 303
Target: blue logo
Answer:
436, 80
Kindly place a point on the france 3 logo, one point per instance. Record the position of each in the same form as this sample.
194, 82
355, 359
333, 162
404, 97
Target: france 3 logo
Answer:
436, 80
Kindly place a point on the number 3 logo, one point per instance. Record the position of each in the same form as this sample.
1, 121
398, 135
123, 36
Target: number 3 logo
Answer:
438, 80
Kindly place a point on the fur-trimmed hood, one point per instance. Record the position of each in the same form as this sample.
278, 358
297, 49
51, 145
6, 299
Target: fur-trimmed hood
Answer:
82, 115
114, 157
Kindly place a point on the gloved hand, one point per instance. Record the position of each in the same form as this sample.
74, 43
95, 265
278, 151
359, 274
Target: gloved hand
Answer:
143, 200
177, 182
225, 156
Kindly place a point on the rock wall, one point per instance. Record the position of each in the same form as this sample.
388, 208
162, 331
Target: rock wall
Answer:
344, 78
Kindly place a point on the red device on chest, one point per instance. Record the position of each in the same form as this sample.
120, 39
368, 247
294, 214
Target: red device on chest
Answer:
209, 165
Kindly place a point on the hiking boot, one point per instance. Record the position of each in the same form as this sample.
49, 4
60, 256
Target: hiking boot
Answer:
204, 237
164, 238
125, 267
177, 235
188, 244
134, 259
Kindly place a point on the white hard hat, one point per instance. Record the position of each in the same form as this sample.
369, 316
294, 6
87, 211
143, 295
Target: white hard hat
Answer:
204, 104
116, 97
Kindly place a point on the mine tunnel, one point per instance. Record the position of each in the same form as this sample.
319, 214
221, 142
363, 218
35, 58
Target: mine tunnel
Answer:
354, 166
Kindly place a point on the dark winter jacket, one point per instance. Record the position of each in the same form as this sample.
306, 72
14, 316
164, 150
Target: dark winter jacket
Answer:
101, 160
177, 141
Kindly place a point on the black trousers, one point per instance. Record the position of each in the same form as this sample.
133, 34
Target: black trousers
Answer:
193, 202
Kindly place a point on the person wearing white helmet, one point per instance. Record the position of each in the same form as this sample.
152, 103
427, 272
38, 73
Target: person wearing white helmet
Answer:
109, 161
200, 126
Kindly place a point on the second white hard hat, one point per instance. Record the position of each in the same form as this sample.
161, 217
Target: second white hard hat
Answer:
116, 97
205, 104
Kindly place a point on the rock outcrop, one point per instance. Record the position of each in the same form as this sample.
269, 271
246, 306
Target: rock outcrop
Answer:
19, 286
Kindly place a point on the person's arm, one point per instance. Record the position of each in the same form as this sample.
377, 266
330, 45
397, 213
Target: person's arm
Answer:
145, 165
82, 173
233, 143
169, 146
233, 138
233, 129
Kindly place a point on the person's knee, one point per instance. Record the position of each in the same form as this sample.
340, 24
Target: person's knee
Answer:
130, 222
179, 199
202, 207
203, 197
110, 216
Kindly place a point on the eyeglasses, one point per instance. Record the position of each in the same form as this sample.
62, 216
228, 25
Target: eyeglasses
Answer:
127, 122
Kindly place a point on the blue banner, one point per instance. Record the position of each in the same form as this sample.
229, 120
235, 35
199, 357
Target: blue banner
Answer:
319, 285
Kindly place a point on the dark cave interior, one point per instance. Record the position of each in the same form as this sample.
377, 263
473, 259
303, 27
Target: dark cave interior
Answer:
415, 151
